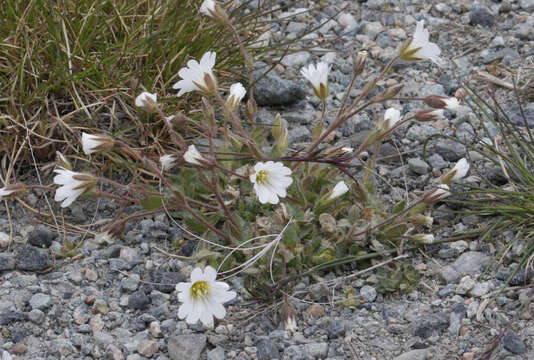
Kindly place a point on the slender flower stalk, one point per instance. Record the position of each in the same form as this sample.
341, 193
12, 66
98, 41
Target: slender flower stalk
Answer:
198, 76
270, 181
419, 47
203, 297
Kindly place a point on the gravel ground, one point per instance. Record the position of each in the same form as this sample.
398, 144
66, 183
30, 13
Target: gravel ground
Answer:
118, 301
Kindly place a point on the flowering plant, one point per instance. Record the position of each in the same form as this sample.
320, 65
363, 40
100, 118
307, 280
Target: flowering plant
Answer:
230, 181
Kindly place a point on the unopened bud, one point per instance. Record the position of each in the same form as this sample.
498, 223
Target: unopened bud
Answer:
460, 94
439, 193
441, 102
423, 238
392, 91
212, 9
251, 108
209, 114
11, 190
421, 219
358, 62
429, 115
62, 161
289, 316
147, 101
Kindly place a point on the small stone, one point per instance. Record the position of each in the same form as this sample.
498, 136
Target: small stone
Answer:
97, 324
31, 258
103, 338
138, 300
272, 90
4, 240
36, 316
418, 166
155, 329
130, 283
267, 350
18, 349
368, 293
41, 238
466, 284
417, 354
115, 352
316, 311
148, 348
450, 150
335, 329
186, 347
527, 5
428, 324
480, 15
100, 307
468, 356
41, 301
470, 263
216, 354
514, 344
481, 289
297, 59
90, 274
7, 261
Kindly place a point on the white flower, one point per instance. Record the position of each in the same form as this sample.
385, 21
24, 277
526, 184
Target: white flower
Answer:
167, 161
207, 7
391, 117
460, 169
198, 76
146, 101
213, 10
318, 77
94, 143
270, 181
193, 156
458, 172
420, 48
451, 104
347, 150
340, 189
73, 184
237, 93
203, 297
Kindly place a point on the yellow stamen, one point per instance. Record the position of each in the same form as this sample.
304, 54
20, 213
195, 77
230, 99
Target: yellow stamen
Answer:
200, 289
262, 177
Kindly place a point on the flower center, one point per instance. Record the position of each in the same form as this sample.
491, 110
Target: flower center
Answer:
200, 289
262, 177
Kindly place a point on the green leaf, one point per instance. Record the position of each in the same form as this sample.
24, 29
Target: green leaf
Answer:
151, 202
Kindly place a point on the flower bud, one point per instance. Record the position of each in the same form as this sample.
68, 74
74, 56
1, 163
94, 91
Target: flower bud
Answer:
460, 94
439, 193
11, 190
212, 9
289, 316
62, 161
421, 219
423, 238
193, 156
458, 172
237, 93
94, 143
428, 115
358, 62
147, 101
441, 102
339, 190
